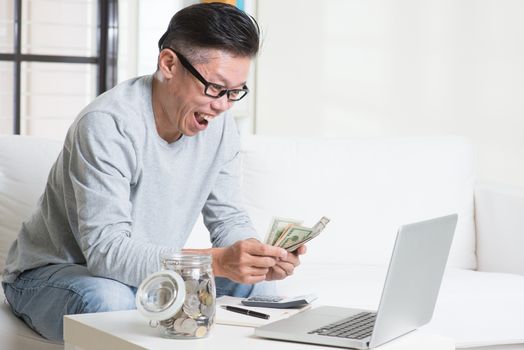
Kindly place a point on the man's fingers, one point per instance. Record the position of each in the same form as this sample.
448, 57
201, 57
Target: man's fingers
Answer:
287, 267
254, 275
277, 273
261, 261
262, 249
301, 250
256, 271
293, 259
251, 261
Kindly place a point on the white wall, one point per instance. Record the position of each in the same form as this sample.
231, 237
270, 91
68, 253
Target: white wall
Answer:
394, 68
141, 24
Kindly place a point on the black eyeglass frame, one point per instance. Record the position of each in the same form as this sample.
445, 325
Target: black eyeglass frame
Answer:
242, 92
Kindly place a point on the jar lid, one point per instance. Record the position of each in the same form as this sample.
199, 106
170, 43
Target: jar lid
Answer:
186, 259
161, 295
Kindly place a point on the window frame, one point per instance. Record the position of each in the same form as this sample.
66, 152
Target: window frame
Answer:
106, 60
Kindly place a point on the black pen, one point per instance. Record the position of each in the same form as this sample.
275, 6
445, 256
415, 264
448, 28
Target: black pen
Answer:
245, 311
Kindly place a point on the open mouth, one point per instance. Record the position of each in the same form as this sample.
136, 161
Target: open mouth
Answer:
202, 119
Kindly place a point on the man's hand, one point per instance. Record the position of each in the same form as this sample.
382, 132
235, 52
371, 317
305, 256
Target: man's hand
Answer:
248, 261
285, 266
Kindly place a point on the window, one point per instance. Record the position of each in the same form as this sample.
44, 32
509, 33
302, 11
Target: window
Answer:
55, 57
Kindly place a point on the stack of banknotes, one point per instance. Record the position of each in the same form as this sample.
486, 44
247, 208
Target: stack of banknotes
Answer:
289, 234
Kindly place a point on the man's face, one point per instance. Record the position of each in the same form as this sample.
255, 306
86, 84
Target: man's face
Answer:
187, 109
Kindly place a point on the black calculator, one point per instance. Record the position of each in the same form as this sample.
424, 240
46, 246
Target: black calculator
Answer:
278, 302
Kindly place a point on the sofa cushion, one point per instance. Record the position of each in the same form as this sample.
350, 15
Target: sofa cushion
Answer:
367, 187
25, 162
500, 226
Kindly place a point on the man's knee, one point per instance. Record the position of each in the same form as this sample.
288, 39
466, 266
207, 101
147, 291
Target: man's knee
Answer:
104, 295
41, 297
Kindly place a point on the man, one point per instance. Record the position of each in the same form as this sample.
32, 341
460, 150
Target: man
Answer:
137, 167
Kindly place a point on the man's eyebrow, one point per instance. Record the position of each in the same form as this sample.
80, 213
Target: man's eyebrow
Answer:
226, 81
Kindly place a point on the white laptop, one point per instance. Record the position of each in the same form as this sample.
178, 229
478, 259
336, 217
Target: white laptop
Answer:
408, 298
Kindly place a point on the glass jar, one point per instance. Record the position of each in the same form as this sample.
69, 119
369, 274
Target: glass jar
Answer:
181, 298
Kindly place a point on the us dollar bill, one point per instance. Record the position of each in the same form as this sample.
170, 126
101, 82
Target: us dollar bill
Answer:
295, 235
317, 229
278, 226
289, 234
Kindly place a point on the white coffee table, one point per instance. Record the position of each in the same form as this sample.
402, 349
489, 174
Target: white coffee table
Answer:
128, 330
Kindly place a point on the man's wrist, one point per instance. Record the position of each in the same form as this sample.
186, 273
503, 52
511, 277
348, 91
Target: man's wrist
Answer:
216, 257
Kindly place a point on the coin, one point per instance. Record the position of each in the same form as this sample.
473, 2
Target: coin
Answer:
210, 300
192, 313
168, 323
200, 332
192, 305
207, 310
191, 286
202, 286
189, 326
177, 325
211, 288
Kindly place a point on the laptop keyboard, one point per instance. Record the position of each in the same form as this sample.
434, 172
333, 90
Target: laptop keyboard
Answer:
358, 326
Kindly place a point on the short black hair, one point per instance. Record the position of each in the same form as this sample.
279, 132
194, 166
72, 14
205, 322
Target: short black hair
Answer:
212, 26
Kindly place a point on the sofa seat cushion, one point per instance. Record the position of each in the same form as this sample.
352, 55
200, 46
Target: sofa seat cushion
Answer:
16, 335
480, 308
474, 308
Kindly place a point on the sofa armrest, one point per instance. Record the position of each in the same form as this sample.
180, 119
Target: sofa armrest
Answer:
499, 219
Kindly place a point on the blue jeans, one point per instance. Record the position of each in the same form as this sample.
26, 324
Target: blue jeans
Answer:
42, 296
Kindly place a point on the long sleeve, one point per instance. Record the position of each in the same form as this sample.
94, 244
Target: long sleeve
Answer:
223, 214
102, 169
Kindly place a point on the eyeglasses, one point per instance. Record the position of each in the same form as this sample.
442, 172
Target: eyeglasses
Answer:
211, 89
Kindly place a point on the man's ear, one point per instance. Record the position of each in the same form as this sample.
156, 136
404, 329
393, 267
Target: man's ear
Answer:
167, 63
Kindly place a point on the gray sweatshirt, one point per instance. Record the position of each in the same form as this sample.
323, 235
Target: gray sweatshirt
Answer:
119, 197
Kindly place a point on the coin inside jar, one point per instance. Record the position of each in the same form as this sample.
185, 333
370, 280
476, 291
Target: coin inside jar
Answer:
201, 331
191, 286
177, 325
189, 326
196, 316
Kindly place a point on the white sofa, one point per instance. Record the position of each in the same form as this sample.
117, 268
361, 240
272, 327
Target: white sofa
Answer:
368, 187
